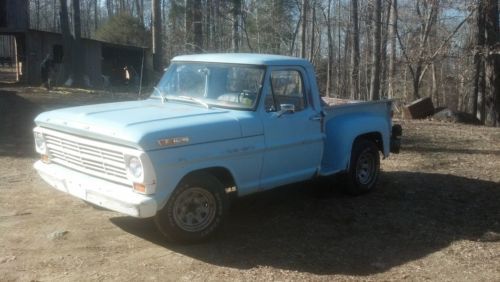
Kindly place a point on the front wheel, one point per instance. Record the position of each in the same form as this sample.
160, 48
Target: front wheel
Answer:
194, 211
364, 167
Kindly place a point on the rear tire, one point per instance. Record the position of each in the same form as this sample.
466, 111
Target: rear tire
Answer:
364, 167
194, 211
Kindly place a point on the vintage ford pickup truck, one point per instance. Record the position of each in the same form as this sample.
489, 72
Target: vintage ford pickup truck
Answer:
216, 126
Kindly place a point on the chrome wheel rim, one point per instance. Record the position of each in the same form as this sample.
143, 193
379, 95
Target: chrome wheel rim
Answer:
194, 209
365, 169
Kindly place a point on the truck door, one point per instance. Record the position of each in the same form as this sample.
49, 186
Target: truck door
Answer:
292, 128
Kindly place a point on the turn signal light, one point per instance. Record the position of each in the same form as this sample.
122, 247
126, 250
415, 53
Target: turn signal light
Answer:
139, 188
45, 158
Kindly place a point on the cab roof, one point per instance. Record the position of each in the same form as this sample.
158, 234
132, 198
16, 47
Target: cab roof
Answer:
244, 59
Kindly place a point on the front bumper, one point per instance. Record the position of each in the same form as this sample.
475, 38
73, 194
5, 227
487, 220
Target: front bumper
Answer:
106, 194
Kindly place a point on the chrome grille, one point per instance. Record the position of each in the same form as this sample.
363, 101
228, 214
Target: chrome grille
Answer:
89, 158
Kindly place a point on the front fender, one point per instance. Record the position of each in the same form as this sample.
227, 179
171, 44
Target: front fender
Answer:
242, 157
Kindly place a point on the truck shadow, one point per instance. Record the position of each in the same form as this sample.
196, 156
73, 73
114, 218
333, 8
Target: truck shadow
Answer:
309, 227
16, 125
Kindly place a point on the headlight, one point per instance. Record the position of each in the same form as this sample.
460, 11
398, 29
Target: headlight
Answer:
41, 146
134, 167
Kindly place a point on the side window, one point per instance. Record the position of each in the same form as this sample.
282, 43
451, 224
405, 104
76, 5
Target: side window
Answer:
286, 88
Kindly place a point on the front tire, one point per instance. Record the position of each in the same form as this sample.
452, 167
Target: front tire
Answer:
364, 167
194, 211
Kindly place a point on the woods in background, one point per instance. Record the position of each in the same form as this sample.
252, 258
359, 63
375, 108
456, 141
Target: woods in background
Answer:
444, 49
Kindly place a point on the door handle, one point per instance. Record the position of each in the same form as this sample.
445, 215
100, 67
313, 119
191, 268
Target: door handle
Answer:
316, 118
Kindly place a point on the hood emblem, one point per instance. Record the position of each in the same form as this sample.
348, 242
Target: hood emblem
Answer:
173, 141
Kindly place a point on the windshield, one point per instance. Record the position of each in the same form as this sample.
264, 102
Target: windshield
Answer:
223, 85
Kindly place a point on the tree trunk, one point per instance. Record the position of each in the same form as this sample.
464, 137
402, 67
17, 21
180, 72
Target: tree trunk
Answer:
157, 36
427, 23
305, 10
434, 87
236, 25
54, 20
208, 26
383, 48
416, 81
339, 50
375, 76
78, 54
329, 75
492, 67
393, 27
67, 40
96, 15
139, 7
37, 14
367, 52
197, 28
355, 51
188, 16
110, 8
313, 33
217, 26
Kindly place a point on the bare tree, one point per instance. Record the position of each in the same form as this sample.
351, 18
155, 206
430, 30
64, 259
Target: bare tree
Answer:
67, 39
96, 14
492, 63
329, 75
303, 28
110, 8
313, 33
393, 26
236, 25
157, 36
375, 76
355, 57
139, 5
188, 14
341, 38
197, 28
78, 54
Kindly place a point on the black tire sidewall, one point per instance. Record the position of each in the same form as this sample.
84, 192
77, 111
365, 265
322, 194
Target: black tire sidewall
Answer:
166, 223
361, 147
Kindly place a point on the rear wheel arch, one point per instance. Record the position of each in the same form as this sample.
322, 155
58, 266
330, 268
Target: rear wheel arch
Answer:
375, 137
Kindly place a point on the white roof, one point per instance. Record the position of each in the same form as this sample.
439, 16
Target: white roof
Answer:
243, 58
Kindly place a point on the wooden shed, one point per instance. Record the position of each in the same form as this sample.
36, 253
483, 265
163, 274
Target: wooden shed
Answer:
104, 62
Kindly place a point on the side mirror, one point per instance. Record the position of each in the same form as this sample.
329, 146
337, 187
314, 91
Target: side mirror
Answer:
286, 109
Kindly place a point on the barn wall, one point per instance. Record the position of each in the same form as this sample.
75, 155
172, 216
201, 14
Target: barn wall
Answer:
93, 62
39, 44
14, 14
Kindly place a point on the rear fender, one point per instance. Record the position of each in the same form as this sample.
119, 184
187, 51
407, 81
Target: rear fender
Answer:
342, 131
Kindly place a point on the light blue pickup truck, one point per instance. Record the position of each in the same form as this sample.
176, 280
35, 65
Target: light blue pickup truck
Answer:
216, 126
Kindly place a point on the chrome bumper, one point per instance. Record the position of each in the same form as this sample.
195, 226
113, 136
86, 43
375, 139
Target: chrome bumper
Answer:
106, 194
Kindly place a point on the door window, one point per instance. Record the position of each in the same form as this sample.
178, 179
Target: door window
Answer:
287, 88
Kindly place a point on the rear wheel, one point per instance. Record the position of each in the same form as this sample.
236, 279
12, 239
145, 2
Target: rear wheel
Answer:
364, 167
194, 211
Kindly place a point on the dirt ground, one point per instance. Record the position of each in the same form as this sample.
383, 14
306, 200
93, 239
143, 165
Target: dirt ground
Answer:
434, 216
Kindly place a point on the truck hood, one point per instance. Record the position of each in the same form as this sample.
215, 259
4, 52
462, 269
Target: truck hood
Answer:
142, 124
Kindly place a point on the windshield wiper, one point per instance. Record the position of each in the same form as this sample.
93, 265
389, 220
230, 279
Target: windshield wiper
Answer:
190, 99
162, 97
